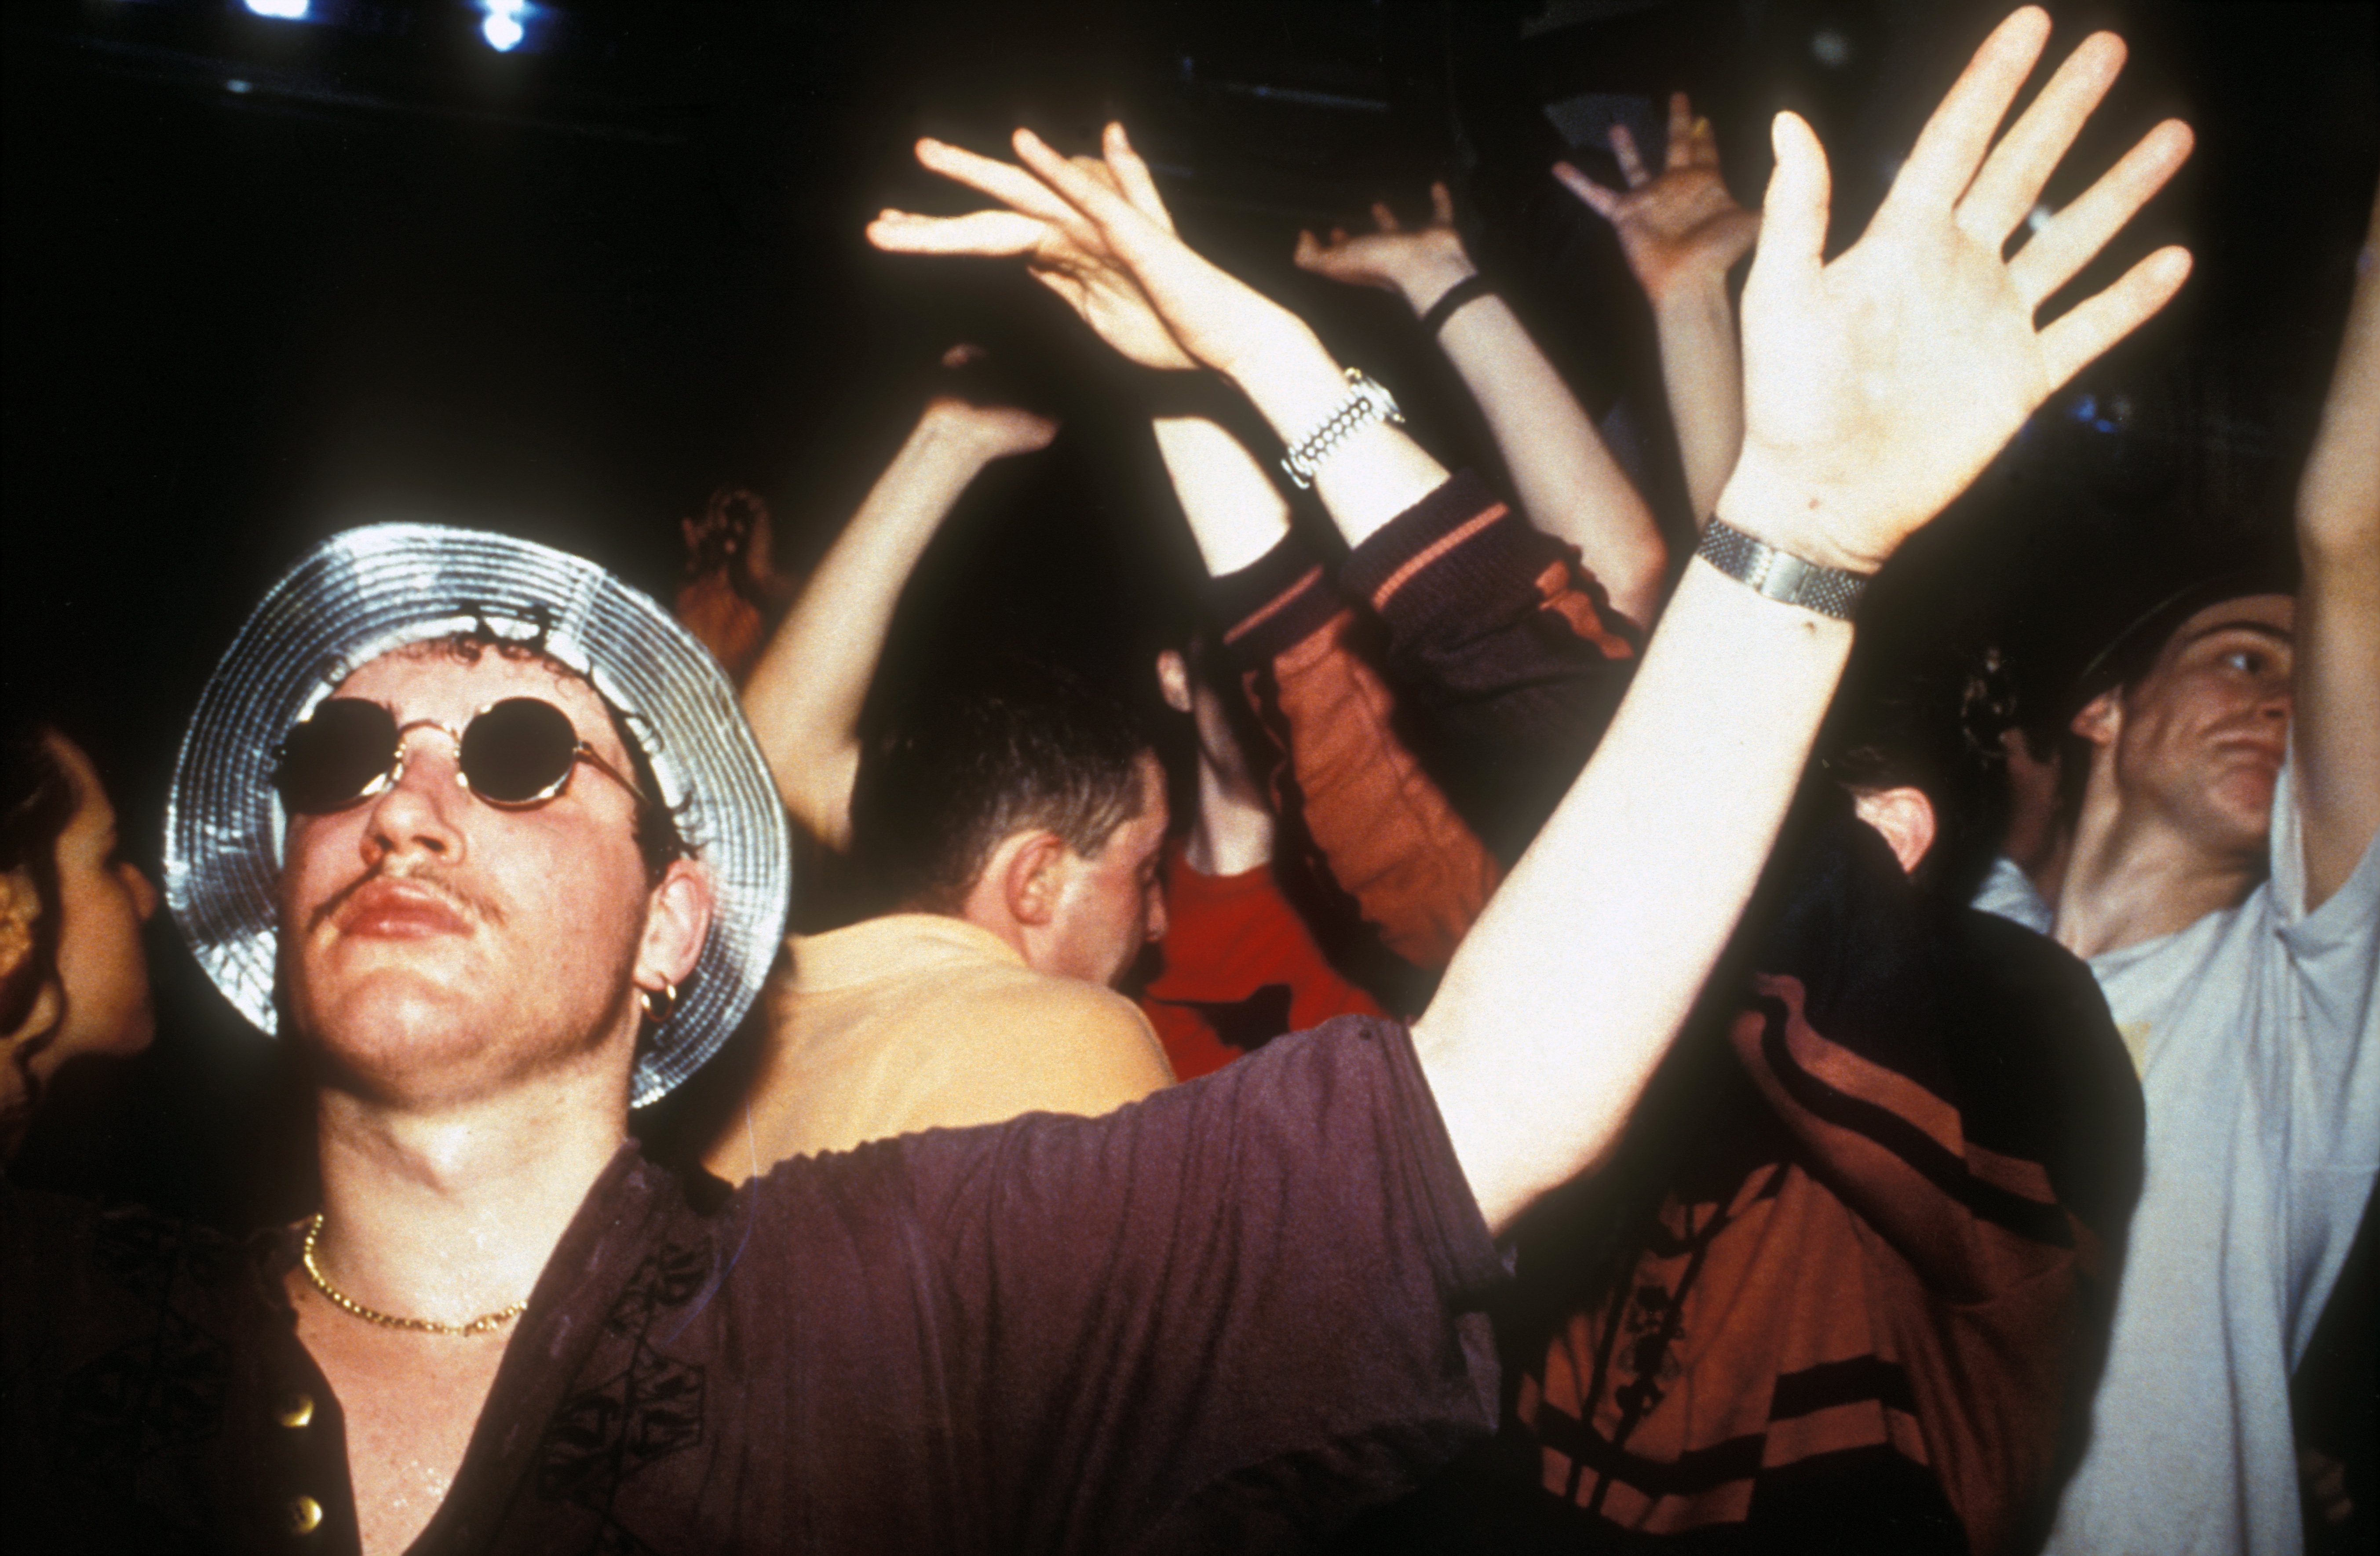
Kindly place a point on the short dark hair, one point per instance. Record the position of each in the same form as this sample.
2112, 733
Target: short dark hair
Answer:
978, 756
2132, 650
657, 839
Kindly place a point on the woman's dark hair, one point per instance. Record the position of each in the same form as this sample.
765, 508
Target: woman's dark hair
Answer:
38, 797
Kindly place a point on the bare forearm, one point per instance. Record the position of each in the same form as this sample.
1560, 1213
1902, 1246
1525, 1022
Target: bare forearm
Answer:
1566, 479
1295, 384
1569, 987
1702, 370
2338, 732
805, 695
1235, 513
2338, 502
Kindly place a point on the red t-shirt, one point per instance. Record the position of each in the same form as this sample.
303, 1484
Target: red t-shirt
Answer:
1240, 968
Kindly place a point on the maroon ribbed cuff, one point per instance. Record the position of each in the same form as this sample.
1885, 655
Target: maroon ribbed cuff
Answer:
1272, 604
1474, 551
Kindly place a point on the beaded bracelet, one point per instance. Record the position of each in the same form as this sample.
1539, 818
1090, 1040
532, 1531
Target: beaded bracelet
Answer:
1366, 402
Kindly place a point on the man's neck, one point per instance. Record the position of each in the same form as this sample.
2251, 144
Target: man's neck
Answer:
451, 1211
1233, 832
2129, 879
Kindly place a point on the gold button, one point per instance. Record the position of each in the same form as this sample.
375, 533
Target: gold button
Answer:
305, 1515
295, 1410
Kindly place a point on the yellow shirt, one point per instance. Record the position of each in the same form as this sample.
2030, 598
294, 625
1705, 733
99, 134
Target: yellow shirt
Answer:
919, 1021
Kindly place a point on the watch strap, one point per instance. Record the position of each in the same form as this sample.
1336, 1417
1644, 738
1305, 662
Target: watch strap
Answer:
1780, 575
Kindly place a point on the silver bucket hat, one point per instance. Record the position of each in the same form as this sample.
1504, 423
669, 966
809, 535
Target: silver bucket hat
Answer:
362, 593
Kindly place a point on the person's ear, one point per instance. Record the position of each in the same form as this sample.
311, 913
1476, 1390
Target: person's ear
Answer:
677, 920
2101, 719
1174, 680
1032, 876
1904, 816
21, 915
20, 918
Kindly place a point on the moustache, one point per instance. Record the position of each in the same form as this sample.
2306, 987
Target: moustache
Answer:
470, 906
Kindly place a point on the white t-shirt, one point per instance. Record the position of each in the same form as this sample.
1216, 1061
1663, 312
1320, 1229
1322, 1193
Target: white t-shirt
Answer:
2008, 893
2257, 1036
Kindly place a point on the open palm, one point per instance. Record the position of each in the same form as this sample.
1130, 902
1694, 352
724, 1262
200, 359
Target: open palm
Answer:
1393, 256
1095, 231
1878, 386
1678, 226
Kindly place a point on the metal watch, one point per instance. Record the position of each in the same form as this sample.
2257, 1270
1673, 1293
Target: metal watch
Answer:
1366, 402
1780, 575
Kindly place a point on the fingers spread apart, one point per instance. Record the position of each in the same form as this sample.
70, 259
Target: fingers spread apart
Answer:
1132, 175
2013, 176
1096, 204
2080, 334
1004, 182
2074, 237
1794, 216
1602, 201
1682, 133
1624, 150
1951, 146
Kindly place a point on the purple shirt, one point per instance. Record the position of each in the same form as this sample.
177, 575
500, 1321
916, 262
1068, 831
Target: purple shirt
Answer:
1220, 1319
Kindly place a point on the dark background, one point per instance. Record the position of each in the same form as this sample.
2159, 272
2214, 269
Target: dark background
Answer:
268, 279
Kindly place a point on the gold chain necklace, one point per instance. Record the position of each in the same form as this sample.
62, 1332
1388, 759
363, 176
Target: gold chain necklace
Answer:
480, 1325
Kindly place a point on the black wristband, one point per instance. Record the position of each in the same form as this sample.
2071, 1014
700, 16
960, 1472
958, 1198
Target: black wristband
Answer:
1454, 296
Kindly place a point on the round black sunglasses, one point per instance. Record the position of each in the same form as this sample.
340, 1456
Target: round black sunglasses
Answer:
514, 754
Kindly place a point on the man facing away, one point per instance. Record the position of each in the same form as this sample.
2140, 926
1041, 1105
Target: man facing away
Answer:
1015, 819
1005, 828
2221, 881
505, 1330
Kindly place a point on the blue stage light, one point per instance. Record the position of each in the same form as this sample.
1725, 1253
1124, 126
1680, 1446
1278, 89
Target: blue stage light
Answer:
503, 29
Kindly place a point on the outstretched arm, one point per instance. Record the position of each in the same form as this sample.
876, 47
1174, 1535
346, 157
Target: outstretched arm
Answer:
805, 695
1878, 386
1681, 232
1567, 480
1362, 811
2337, 717
1095, 231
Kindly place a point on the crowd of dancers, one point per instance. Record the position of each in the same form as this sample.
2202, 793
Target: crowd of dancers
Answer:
1606, 1058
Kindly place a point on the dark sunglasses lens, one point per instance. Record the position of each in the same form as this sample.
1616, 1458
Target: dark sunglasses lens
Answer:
333, 756
518, 750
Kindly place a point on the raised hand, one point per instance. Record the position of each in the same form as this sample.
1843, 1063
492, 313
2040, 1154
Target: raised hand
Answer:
993, 431
1878, 386
988, 429
1096, 231
1061, 248
1420, 264
1676, 227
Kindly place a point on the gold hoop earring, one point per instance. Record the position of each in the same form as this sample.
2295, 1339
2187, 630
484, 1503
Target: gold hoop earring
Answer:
660, 1003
